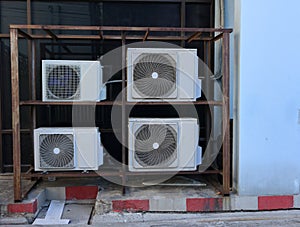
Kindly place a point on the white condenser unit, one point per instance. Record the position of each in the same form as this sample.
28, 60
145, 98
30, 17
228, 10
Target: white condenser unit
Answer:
71, 81
163, 144
57, 149
155, 74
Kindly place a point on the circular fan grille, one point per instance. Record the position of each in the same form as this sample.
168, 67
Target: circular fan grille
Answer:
154, 75
56, 151
155, 145
63, 81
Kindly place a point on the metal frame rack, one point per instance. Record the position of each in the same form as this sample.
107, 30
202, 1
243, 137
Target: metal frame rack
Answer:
42, 32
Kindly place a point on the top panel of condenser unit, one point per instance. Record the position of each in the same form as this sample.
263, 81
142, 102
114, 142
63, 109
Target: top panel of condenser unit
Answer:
160, 50
62, 62
66, 129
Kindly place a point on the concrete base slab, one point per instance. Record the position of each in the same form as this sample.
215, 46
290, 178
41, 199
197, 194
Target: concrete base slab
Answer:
269, 219
77, 213
13, 221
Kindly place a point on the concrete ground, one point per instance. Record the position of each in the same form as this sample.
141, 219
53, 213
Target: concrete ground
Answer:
289, 218
85, 212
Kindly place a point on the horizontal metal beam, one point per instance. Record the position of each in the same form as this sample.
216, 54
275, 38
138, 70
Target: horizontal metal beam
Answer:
41, 103
110, 103
118, 28
143, 1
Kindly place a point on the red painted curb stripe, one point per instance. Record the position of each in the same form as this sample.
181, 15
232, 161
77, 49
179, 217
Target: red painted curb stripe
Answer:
81, 192
204, 204
22, 207
275, 202
130, 205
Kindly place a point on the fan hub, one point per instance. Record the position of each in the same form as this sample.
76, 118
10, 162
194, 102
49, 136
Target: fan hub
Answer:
56, 150
154, 75
155, 146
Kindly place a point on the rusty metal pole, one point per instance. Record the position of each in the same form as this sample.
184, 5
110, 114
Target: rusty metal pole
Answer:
124, 120
15, 113
226, 116
33, 81
1, 132
182, 20
1, 147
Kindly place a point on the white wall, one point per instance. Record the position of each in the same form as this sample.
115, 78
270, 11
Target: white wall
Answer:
268, 92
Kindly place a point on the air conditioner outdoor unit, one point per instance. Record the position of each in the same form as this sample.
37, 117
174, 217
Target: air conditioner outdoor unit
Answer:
163, 144
57, 149
155, 74
71, 81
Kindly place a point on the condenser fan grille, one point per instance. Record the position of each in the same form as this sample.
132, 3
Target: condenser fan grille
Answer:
155, 145
63, 81
154, 75
56, 151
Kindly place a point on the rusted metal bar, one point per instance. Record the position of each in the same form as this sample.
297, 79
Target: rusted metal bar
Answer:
55, 37
41, 103
226, 116
182, 20
109, 103
173, 173
30, 174
1, 130
159, 1
10, 131
146, 35
207, 92
33, 89
31, 69
4, 36
71, 174
216, 38
49, 32
24, 34
100, 34
124, 128
28, 6
217, 103
15, 113
120, 28
193, 37
114, 37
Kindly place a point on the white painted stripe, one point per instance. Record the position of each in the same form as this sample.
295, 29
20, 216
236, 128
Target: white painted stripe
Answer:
53, 214
160, 203
296, 201
243, 203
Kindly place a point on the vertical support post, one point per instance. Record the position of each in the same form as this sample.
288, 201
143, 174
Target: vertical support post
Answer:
29, 43
182, 20
15, 113
30, 61
33, 80
226, 116
1, 82
32, 77
212, 14
207, 89
124, 120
